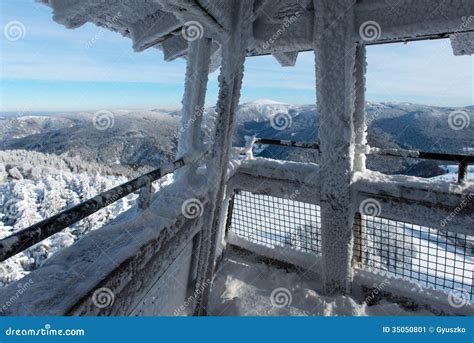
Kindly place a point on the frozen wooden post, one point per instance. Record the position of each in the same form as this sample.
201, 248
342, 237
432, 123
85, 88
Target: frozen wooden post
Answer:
335, 50
360, 144
230, 82
197, 70
360, 122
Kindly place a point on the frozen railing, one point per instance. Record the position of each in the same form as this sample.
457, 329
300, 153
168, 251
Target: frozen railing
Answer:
412, 236
433, 258
462, 161
273, 221
136, 259
34, 234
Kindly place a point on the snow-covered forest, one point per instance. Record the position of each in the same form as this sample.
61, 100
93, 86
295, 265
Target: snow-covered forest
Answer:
36, 186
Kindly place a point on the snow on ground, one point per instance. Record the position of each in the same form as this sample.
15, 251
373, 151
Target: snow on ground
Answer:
245, 287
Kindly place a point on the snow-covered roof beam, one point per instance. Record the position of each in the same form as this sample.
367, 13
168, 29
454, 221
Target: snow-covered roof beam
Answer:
174, 47
153, 29
375, 22
211, 17
149, 23
408, 19
278, 26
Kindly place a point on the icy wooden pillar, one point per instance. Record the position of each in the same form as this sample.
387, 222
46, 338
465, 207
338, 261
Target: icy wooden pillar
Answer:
335, 84
360, 144
230, 82
197, 70
360, 124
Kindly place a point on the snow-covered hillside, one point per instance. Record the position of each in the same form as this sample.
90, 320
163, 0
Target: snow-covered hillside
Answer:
149, 137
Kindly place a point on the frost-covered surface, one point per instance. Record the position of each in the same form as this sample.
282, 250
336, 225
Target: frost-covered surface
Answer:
335, 91
288, 230
439, 302
244, 287
279, 26
127, 252
41, 192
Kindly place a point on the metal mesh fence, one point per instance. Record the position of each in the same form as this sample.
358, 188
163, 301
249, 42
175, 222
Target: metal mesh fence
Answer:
273, 221
434, 258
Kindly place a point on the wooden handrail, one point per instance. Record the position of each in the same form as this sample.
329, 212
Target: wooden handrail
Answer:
461, 160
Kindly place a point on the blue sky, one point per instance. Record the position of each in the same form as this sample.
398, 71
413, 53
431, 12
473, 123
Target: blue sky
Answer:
55, 69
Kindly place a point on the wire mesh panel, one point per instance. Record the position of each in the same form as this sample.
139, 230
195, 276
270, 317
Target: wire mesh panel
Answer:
273, 221
434, 258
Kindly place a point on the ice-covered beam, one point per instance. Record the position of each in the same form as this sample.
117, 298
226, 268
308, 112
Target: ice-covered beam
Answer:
211, 25
174, 47
440, 205
375, 22
335, 61
294, 33
360, 124
153, 29
230, 82
280, 26
379, 21
286, 59
197, 69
